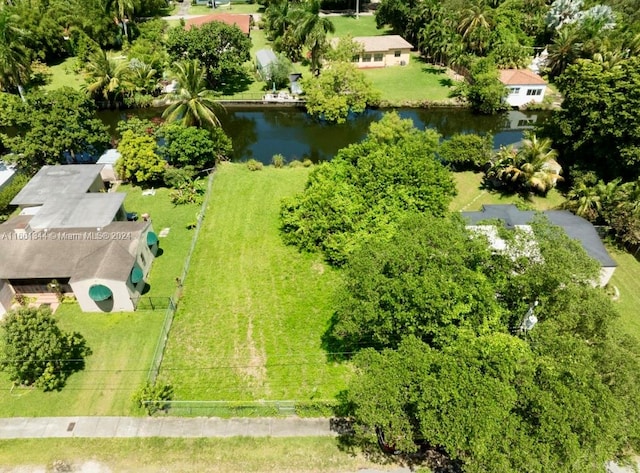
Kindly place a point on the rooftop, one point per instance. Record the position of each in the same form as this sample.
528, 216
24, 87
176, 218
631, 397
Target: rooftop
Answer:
51, 181
383, 43
89, 210
576, 228
241, 21
110, 156
266, 57
520, 77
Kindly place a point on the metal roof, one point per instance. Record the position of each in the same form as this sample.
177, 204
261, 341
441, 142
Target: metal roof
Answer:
577, 228
51, 181
90, 210
265, 57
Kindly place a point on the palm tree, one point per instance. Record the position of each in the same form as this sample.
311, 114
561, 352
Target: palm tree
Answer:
538, 162
277, 18
124, 9
588, 200
192, 103
312, 30
15, 63
475, 25
564, 50
107, 77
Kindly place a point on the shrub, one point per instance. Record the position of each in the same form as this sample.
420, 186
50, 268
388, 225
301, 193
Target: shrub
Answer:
466, 152
278, 160
307, 163
253, 165
175, 177
153, 397
189, 192
295, 164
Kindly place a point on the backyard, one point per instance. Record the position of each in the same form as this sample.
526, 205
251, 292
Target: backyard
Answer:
122, 343
254, 310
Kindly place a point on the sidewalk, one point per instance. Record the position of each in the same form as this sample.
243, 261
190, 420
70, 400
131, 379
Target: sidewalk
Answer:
125, 427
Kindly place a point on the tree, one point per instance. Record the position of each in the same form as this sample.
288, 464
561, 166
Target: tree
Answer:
463, 151
365, 190
312, 30
221, 49
475, 25
139, 161
108, 78
36, 352
598, 127
52, 128
340, 90
563, 51
277, 18
192, 103
277, 73
124, 10
486, 94
14, 57
190, 146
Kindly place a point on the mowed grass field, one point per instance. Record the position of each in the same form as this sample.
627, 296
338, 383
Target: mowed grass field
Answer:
627, 280
254, 310
225, 455
122, 343
365, 25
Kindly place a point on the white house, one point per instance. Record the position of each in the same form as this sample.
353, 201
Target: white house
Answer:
70, 231
382, 51
576, 228
524, 86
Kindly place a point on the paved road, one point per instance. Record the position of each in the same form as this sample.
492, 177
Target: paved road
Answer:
122, 427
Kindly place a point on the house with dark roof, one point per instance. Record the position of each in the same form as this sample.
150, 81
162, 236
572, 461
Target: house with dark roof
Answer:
577, 228
382, 51
71, 231
525, 86
242, 21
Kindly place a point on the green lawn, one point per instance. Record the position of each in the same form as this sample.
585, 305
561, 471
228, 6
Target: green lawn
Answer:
350, 25
471, 195
254, 310
64, 75
122, 343
413, 84
229, 455
627, 280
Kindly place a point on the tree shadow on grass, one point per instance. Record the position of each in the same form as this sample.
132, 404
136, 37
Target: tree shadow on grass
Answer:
448, 82
236, 83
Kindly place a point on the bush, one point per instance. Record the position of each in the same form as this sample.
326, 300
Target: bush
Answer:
466, 152
175, 177
153, 397
295, 164
278, 160
307, 163
253, 165
9, 192
189, 192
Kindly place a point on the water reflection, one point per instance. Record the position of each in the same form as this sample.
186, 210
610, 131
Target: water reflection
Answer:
259, 133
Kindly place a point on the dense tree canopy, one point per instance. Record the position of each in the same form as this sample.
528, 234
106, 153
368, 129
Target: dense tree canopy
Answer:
36, 352
139, 161
365, 189
196, 147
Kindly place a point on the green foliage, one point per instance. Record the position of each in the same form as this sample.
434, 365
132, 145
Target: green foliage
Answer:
253, 165
139, 161
222, 49
9, 191
36, 352
486, 94
139, 126
345, 50
188, 192
52, 127
278, 160
175, 177
466, 152
196, 147
366, 188
598, 127
338, 91
278, 72
153, 397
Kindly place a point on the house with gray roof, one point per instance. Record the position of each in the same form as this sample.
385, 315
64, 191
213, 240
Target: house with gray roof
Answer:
71, 231
576, 228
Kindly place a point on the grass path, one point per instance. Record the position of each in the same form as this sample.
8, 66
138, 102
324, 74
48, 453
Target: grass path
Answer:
254, 310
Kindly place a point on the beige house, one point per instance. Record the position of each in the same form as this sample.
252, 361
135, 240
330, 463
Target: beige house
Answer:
382, 51
71, 232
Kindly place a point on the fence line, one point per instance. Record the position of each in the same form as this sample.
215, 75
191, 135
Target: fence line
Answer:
306, 408
161, 344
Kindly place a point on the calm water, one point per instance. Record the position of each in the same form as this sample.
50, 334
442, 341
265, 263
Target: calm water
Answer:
260, 133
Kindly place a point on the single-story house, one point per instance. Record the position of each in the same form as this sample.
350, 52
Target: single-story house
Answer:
242, 21
577, 228
108, 160
382, 51
525, 86
264, 59
71, 231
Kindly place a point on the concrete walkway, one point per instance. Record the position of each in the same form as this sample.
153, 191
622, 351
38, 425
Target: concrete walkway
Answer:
124, 427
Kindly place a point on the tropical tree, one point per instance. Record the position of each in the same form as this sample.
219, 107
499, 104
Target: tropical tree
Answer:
14, 57
192, 103
312, 30
107, 78
124, 10
475, 25
588, 200
277, 18
563, 51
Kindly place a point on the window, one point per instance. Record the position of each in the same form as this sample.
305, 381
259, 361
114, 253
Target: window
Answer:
514, 90
377, 57
534, 91
355, 58
366, 57
526, 122
144, 262
397, 54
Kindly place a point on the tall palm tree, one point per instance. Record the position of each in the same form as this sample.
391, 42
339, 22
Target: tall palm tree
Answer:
475, 25
192, 103
15, 63
538, 162
124, 10
277, 18
564, 50
107, 78
312, 30
588, 200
